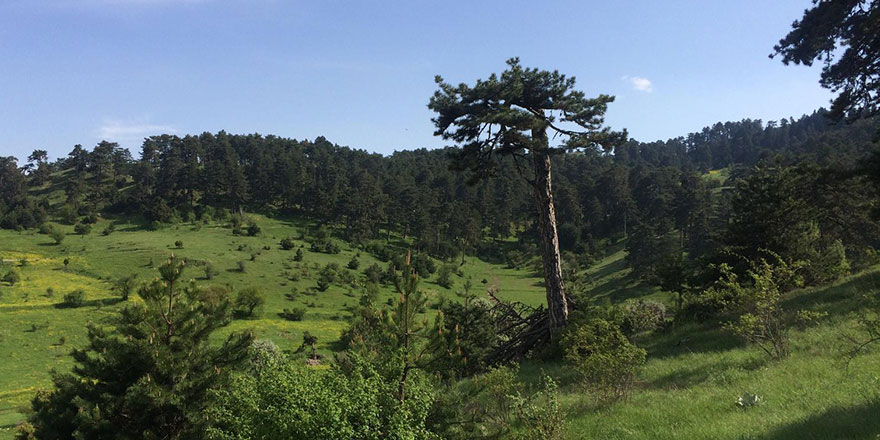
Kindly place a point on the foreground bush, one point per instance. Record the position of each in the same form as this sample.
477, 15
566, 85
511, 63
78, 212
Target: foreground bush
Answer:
76, 298
283, 400
605, 358
148, 374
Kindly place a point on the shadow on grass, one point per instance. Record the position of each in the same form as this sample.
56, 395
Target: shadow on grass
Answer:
853, 423
93, 303
842, 299
689, 338
686, 377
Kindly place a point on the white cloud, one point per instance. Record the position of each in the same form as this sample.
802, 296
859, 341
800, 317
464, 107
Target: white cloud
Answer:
639, 83
130, 132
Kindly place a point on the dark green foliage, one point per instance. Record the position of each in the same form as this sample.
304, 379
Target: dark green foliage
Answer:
82, 228
73, 299
606, 360
758, 301
178, 244
643, 316
149, 374
253, 229
125, 286
248, 301
469, 334
842, 34
647, 248
108, 230
294, 314
424, 265
57, 235
12, 277
283, 400
373, 273
327, 276
287, 244
298, 256
444, 276
354, 263
771, 212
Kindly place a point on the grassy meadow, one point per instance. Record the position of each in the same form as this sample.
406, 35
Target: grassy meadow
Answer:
687, 389
36, 334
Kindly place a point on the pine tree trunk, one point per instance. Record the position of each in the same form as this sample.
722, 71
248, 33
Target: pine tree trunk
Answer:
557, 302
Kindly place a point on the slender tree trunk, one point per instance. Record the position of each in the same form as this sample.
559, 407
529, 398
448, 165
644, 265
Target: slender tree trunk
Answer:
557, 302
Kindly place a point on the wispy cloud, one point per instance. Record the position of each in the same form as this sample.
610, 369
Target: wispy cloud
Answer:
130, 132
639, 83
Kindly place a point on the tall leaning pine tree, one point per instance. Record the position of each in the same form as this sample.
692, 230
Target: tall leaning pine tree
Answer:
517, 114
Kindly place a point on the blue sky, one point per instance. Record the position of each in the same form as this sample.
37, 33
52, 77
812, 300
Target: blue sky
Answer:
360, 73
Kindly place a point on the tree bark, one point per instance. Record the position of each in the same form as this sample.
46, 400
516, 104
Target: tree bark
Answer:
557, 302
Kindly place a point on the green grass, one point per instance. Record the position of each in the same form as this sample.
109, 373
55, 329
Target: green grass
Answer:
32, 327
695, 373
687, 389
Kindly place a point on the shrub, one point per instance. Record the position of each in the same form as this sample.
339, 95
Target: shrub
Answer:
444, 276
248, 301
540, 415
12, 277
373, 273
57, 235
423, 265
294, 314
178, 244
125, 286
469, 335
762, 323
353, 264
643, 316
287, 244
82, 228
606, 360
298, 256
327, 276
76, 298
108, 230
241, 267
253, 229
209, 270
46, 228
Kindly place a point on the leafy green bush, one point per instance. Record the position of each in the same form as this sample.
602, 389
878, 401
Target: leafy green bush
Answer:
605, 358
444, 276
294, 314
178, 244
125, 286
111, 228
327, 276
82, 228
468, 336
284, 400
248, 301
643, 316
298, 256
763, 322
253, 229
76, 298
373, 273
12, 277
353, 264
287, 243
540, 415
